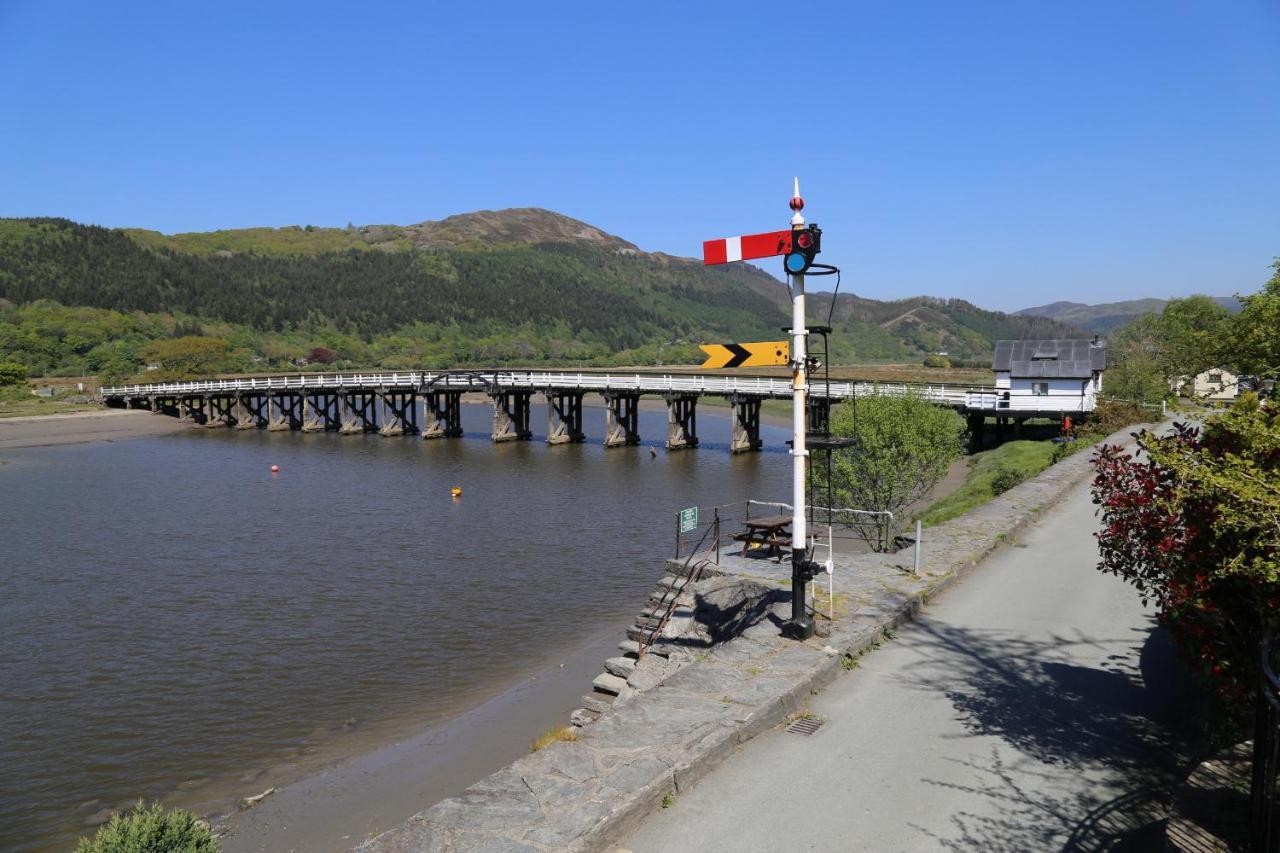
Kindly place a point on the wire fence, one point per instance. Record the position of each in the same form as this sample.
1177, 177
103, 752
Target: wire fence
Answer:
843, 524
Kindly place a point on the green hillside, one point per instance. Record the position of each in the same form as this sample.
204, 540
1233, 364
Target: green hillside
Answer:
522, 286
1109, 315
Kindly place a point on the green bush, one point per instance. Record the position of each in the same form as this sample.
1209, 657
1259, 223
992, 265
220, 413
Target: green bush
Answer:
12, 374
151, 829
937, 361
1005, 479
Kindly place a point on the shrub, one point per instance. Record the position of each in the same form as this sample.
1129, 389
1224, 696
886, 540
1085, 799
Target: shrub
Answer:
151, 829
937, 361
1194, 525
1111, 416
1005, 479
12, 374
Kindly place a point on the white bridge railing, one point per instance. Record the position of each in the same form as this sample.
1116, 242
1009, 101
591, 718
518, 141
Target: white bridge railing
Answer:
538, 380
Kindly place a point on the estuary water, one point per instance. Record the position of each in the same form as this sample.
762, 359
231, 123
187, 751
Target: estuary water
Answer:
174, 618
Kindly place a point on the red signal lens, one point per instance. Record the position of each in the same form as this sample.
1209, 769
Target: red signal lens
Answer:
803, 240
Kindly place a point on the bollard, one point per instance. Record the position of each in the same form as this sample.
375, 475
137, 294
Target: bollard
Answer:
919, 534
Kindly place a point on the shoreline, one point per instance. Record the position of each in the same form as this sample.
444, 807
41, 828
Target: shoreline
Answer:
83, 427
345, 800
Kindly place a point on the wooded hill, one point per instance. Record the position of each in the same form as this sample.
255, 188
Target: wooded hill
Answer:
524, 285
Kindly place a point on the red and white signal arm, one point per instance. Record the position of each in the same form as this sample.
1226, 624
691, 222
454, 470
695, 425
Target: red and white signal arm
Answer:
745, 248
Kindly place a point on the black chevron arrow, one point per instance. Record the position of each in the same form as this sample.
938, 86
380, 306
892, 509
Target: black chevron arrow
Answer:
740, 354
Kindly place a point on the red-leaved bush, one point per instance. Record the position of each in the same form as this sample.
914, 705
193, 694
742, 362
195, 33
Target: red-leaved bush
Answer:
1193, 522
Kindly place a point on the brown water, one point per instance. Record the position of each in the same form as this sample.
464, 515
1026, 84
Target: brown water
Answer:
172, 614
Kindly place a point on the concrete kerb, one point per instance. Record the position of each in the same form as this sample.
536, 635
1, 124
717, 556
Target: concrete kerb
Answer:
592, 793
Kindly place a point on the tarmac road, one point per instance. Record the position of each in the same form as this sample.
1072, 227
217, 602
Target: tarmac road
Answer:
1034, 706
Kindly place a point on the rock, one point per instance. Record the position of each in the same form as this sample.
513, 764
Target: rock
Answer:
607, 683
204, 824
620, 666
250, 802
597, 702
98, 818
651, 672
583, 717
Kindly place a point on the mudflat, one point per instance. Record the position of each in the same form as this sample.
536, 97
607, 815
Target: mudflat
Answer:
81, 427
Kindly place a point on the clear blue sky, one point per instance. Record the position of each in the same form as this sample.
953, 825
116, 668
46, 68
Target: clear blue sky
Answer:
1011, 153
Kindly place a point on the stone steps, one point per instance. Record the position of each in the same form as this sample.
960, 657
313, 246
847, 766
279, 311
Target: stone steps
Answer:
598, 702
606, 683
620, 666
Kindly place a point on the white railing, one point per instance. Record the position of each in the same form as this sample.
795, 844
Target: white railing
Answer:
542, 380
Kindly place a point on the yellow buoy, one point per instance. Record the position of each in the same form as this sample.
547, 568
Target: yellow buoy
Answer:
456, 492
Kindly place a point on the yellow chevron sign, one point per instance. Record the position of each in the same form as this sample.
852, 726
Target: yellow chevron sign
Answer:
760, 354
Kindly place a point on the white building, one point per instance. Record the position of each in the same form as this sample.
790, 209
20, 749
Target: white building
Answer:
1049, 377
1216, 383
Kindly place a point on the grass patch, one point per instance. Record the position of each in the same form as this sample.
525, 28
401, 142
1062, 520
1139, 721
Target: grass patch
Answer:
988, 471
565, 734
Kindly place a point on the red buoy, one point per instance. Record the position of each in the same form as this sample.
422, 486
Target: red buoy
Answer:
275, 469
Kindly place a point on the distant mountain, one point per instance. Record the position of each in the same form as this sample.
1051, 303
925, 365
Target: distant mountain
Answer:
1109, 315
520, 285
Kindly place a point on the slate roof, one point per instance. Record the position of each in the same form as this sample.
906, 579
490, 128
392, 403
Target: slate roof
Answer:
1061, 359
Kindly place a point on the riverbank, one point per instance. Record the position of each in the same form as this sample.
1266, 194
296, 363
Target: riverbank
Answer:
82, 427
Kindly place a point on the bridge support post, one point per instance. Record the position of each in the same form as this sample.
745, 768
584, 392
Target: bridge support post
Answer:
819, 410
682, 421
357, 412
218, 409
977, 421
564, 417
320, 412
189, 409
289, 406
442, 412
746, 424
241, 414
511, 415
622, 422
402, 413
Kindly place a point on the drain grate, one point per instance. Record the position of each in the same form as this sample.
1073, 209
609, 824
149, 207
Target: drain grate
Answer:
805, 725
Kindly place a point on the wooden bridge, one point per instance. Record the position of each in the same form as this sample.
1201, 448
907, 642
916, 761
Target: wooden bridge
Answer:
429, 403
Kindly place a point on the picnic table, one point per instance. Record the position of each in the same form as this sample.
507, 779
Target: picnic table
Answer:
769, 531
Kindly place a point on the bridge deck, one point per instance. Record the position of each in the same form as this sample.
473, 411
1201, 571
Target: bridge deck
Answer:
961, 397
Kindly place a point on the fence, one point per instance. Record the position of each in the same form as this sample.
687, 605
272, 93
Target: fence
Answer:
1264, 822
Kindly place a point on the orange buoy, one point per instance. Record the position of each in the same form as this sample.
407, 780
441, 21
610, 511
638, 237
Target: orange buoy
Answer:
275, 469
456, 492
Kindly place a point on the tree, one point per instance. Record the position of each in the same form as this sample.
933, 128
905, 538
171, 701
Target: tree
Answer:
1134, 369
12, 374
1255, 331
936, 361
188, 358
322, 355
1195, 527
1193, 334
903, 445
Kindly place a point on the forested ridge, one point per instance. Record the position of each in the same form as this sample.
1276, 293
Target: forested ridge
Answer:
474, 288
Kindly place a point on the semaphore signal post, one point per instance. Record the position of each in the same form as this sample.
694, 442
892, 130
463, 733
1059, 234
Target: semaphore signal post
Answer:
798, 245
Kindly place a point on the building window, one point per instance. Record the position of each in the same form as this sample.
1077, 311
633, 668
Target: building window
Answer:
1040, 389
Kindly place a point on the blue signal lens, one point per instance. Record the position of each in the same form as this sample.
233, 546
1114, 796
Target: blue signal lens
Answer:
795, 262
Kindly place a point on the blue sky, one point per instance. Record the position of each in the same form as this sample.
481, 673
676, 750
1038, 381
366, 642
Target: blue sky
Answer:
1009, 153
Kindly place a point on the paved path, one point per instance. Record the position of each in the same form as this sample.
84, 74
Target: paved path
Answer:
1032, 707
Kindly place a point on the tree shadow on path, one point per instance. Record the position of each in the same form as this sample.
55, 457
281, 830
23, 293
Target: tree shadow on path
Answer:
1100, 726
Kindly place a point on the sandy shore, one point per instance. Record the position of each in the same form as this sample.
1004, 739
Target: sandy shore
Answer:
81, 427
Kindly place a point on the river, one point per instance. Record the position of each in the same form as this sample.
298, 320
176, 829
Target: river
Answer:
178, 623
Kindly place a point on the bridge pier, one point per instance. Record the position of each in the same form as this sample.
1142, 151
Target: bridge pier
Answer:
242, 414
289, 405
320, 411
564, 417
746, 424
622, 422
977, 421
191, 409
819, 410
682, 421
511, 415
443, 414
219, 410
357, 412
402, 409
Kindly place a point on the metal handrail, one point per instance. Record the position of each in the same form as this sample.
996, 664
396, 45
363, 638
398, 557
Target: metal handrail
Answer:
1264, 823
691, 575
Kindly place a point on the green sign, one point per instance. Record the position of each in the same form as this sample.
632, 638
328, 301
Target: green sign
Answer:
688, 519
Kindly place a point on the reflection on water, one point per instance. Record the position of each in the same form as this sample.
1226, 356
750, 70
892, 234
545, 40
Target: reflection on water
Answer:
171, 612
